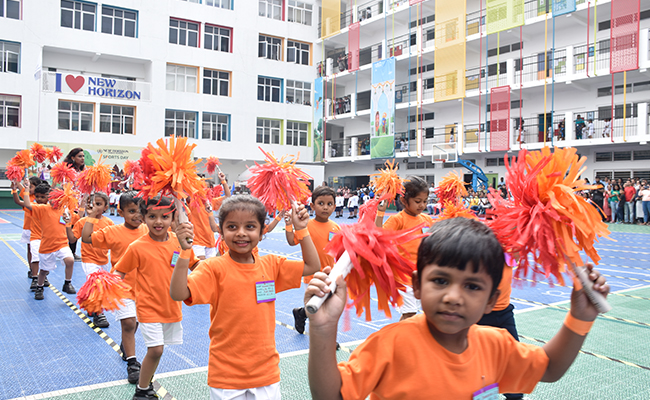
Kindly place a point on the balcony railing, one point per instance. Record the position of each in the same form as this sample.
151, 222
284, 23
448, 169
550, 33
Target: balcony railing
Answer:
585, 56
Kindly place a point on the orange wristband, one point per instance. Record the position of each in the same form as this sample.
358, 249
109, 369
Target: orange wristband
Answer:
577, 326
224, 182
278, 218
289, 228
381, 214
92, 220
185, 253
300, 234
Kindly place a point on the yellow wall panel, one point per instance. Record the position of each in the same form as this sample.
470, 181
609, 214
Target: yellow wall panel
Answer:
449, 55
331, 18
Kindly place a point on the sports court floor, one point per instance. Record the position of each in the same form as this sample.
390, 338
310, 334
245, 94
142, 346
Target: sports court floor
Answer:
49, 349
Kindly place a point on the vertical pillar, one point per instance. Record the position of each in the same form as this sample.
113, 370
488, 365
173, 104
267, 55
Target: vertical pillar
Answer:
510, 72
569, 63
569, 126
644, 60
355, 148
328, 150
642, 122
460, 144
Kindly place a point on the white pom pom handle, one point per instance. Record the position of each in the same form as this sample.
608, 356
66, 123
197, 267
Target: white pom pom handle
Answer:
598, 300
182, 215
342, 268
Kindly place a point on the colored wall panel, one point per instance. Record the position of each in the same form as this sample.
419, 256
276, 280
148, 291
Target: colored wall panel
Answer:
331, 18
353, 46
561, 7
449, 56
624, 35
504, 14
382, 109
500, 118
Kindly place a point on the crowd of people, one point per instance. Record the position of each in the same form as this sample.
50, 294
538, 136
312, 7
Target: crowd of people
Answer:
622, 201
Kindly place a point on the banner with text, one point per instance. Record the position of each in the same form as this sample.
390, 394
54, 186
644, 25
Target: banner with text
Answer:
382, 109
112, 155
96, 86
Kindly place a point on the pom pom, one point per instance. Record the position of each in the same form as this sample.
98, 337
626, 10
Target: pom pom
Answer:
211, 164
546, 218
132, 168
102, 291
14, 173
216, 203
452, 210
62, 173
277, 183
38, 152
23, 159
171, 171
214, 192
387, 181
64, 198
95, 178
451, 189
53, 155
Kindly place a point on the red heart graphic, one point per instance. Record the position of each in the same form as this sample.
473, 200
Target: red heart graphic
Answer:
75, 82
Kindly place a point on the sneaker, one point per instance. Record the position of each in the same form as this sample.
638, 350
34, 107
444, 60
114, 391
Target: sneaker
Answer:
38, 295
299, 317
34, 284
29, 274
145, 394
46, 283
77, 258
100, 321
133, 371
68, 288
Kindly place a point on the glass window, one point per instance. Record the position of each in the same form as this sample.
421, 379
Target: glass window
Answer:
217, 38
116, 119
78, 15
296, 133
9, 57
216, 82
219, 3
215, 127
268, 89
268, 131
269, 47
298, 92
181, 78
299, 12
10, 9
185, 33
9, 111
298, 52
75, 116
180, 123
119, 22
271, 9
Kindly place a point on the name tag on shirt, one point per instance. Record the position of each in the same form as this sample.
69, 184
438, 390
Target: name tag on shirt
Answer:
175, 257
265, 291
331, 235
425, 229
490, 392
61, 220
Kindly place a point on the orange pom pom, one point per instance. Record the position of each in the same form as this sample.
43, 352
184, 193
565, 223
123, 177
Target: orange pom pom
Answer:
54, 154
451, 210
387, 181
64, 198
451, 188
38, 152
102, 291
15, 174
211, 164
62, 173
23, 159
95, 178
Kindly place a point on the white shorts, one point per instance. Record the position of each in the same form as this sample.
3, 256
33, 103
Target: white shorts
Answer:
89, 268
202, 251
34, 246
411, 304
270, 392
24, 238
160, 333
125, 311
48, 260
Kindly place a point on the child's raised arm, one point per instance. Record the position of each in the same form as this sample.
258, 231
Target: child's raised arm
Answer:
89, 226
26, 200
224, 184
324, 375
15, 192
178, 289
564, 347
381, 209
300, 218
289, 229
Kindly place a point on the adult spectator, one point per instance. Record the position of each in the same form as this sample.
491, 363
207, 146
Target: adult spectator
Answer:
598, 196
76, 159
630, 195
645, 199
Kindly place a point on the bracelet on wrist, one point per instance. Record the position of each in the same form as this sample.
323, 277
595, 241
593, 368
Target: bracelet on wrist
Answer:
289, 228
577, 326
381, 213
186, 254
300, 234
92, 220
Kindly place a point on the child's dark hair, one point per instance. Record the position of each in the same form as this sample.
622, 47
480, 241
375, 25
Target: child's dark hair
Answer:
43, 188
459, 242
243, 202
157, 202
35, 181
323, 191
413, 186
102, 196
128, 198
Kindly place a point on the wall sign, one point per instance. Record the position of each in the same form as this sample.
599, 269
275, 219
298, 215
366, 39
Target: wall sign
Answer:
95, 86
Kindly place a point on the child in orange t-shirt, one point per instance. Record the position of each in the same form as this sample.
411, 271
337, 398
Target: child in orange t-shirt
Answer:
117, 239
448, 356
240, 288
154, 257
321, 229
54, 245
416, 194
27, 220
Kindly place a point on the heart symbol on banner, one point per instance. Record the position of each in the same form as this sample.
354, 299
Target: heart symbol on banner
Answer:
75, 82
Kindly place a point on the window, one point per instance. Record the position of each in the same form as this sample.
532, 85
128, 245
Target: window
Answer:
9, 111
75, 116
270, 47
298, 92
11, 9
298, 52
216, 127
271, 9
296, 133
268, 89
116, 119
641, 155
180, 123
216, 82
227, 4
622, 156
119, 22
299, 12
181, 79
185, 33
604, 156
217, 38
268, 131
10, 57
78, 15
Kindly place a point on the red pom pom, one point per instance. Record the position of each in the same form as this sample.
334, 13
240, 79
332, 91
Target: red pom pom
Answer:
53, 155
38, 152
62, 173
95, 178
15, 174
451, 189
64, 198
23, 159
211, 164
102, 291
387, 181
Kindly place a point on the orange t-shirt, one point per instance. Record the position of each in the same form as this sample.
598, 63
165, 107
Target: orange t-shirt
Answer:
27, 219
400, 221
117, 239
377, 367
53, 236
153, 262
36, 231
505, 286
242, 331
203, 234
321, 233
89, 253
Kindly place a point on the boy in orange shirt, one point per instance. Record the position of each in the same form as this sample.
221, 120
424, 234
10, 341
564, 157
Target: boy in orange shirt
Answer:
93, 259
321, 229
153, 257
27, 220
416, 194
54, 245
446, 354
117, 239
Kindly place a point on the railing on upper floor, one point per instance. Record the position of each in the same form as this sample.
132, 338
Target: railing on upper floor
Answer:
363, 145
365, 11
340, 147
370, 54
585, 56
